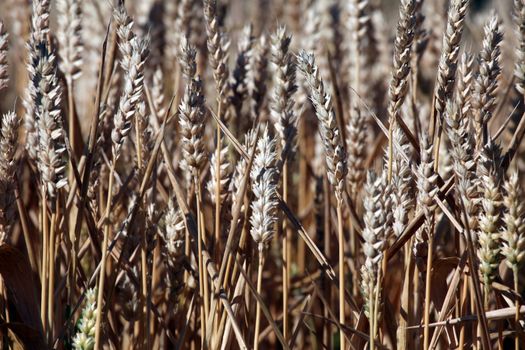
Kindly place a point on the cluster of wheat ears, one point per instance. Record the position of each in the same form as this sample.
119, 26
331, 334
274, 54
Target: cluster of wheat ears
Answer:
325, 182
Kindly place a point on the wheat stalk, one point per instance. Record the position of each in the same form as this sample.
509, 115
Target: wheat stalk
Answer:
264, 216
133, 88
375, 237
424, 242
336, 167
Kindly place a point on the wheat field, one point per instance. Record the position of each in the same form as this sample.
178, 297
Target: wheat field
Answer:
258, 174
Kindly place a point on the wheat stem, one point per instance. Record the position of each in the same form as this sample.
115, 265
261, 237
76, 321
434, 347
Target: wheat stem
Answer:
218, 185
341, 253
102, 272
286, 256
204, 314
259, 289
428, 286
45, 249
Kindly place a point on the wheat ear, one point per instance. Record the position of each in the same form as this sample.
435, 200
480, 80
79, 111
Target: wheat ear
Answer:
489, 170
450, 53
519, 69
84, 339
69, 34
257, 72
217, 52
4, 68
173, 236
486, 82
239, 81
513, 234
8, 144
401, 69
38, 35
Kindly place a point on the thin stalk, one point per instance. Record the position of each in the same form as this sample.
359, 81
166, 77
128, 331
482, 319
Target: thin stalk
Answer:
218, 185
102, 273
71, 115
463, 305
204, 315
258, 307
51, 285
144, 297
428, 284
437, 146
286, 256
371, 326
138, 142
403, 339
341, 244
303, 189
374, 296
390, 148
327, 334
517, 315
43, 275
206, 282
